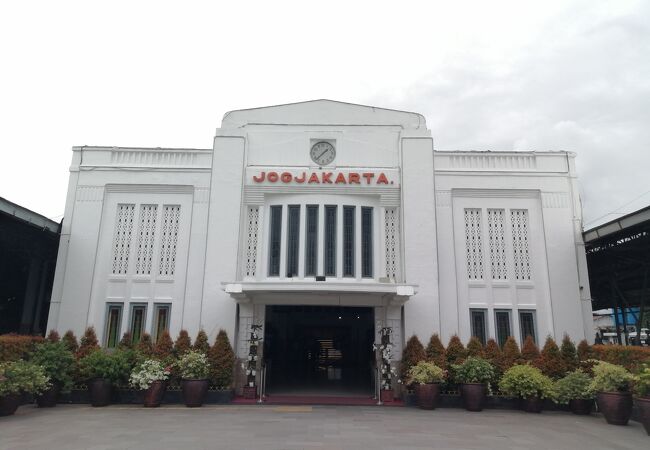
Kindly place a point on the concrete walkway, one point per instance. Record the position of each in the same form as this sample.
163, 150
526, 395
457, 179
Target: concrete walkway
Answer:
72, 427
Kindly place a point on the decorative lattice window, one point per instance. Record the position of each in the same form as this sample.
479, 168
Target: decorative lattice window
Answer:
251, 240
520, 247
146, 230
497, 241
169, 239
391, 240
122, 238
474, 244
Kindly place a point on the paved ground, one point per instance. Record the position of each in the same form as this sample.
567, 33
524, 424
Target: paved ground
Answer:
73, 427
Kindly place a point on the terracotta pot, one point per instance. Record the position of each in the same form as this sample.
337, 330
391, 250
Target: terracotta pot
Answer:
473, 396
532, 404
9, 404
427, 395
615, 406
387, 395
100, 391
581, 406
154, 395
643, 403
249, 392
48, 398
194, 392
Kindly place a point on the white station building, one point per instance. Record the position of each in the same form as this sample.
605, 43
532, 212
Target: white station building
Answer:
325, 221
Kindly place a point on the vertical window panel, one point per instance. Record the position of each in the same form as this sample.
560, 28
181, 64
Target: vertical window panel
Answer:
311, 240
330, 240
366, 242
138, 318
502, 325
161, 320
293, 235
348, 241
275, 240
113, 323
527, 325
479, 329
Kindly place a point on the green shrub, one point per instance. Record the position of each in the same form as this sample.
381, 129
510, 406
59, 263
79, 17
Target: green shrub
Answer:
412, 354
17, 346
474, 347
17, 377
424, 373
474, 370
193, 365
575, 385
642, 383
70, 341
57, 361
525, 381
568, 353
114, 366
183, 343
436, 351
222, 361
611, 378
201, 343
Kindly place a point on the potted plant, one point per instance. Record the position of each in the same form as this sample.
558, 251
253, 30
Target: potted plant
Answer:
612, 384
16, 378
474, 376
151, 377
642, 390
528, 384
194, 370
575, 390
58, 363
426, 377
103, 370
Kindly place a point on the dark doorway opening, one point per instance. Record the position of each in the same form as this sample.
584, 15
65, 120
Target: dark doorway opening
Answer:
315, 350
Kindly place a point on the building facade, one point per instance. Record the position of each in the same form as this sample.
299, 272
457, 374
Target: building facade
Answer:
324, 221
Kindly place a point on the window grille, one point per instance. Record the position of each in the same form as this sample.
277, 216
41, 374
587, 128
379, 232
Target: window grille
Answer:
275, 237
311, 240
293, 235
146, 230
496, 235
122, 238
348, 241
521, 253
479, 329
502, 322
330, 240
474, 244
169, 239
366, 242
391, 236
251, 241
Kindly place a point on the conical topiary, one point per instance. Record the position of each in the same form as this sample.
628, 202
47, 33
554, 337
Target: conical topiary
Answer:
222, 361
145, 346
70, 341
89, 343
413, 353
164, 348
584, 351
529, 351
492, 352
201, 343
126, 342
435, 351
510, 354
550, 361
569, 354
53, 336
455, 351
474, 347
183, 343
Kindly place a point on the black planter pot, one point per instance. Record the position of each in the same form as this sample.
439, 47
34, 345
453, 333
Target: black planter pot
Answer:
581, 406
427, 395
49, 398
100, 391
9, 404
473, 395
154, 395
194, 392
532, 404
643, 404
615, 406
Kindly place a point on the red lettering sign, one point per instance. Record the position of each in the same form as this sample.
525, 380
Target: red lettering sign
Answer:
340, 178
301, 179
353, 178
323, 177
381, 179
272, 177
286, 177
313, 178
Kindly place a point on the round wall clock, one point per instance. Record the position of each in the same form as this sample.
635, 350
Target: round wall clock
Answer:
322, 153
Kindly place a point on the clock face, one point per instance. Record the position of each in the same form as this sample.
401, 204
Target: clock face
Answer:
322, 153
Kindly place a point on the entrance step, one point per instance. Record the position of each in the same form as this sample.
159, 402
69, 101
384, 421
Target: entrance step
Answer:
315, 400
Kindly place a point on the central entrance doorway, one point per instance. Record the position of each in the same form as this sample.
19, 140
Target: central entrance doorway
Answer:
319, 350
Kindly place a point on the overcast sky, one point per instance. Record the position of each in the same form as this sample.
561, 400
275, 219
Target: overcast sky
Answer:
498, 75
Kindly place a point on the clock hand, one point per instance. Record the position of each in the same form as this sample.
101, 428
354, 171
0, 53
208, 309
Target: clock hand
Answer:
326, 150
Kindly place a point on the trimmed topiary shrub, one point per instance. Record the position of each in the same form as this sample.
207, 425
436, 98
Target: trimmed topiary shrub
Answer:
201, 343
53, 336
183, 343
70, 341
88, 343
569, 354
584, 351
630, 357
222, 361
126, 342
16, 346
474, 347
413, 353
145, 346
436, 351
529, 351
455, 351
550, 360
510, 355
164, 348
